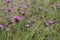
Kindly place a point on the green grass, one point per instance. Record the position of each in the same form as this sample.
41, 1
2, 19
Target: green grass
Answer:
37, 30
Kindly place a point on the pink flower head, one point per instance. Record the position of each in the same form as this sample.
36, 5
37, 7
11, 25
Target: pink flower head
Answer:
7, 29
7, 1
46, 24
50, 22
58, 6
52, 5
46, 11
23, 12
16, 18
28, 25
1, 26
39, 8
9, 9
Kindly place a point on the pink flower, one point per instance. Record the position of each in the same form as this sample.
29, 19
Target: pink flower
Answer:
16, 18
46, 24
35, 18
58, 6
23, 12
8, 1
52, 5
7, 29
46, 11
50, 22
28, 25
9, 9
39, 8
1, 26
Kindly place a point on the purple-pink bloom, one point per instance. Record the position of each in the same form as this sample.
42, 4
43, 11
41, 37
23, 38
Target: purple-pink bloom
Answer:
52, 5
58, 6
9, 9
16, 18
1, 25
28, 25
50, 22
46, 11
39, 8
46, 24
8, 1
7, 29
23, 12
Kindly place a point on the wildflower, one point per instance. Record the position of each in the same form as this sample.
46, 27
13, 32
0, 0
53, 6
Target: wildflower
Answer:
46, 11
8, 1
16, 18
39, 8
50, 22
35, 18
7, 29
1, 26
23, 12
28, 25
58, 6
8, 24
9, 9
52, 5
46, 24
